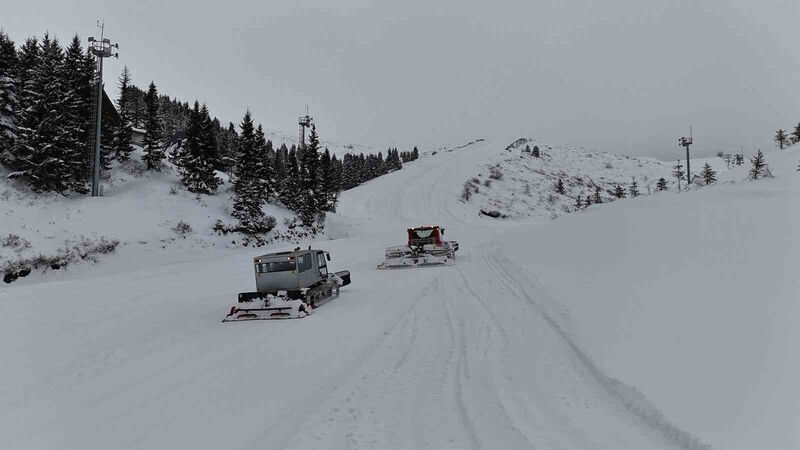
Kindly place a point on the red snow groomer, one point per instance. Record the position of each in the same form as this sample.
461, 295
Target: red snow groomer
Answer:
425, 248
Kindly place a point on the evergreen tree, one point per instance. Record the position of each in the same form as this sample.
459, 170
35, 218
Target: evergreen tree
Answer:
795, 138
262, 164
678, 173
196, 160
709, 175
597, 198
44, 154
578, 203
121, 141
633, 189
560, 187
619, 192
78, 114
536, 153
280, 174
661, 185
8, 94
309, 207
247, 196
781, 138
588, 201
292, 192
527, 148
759, 166
414, 153
153, 150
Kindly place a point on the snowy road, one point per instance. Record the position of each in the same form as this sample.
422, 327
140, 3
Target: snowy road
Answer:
472, 356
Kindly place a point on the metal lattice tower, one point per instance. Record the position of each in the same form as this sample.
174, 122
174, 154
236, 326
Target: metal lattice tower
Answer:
686, 142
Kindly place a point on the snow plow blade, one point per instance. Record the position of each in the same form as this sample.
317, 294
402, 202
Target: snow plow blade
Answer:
262, 306
410, 259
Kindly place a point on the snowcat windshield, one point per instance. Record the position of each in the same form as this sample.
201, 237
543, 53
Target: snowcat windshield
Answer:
423, 234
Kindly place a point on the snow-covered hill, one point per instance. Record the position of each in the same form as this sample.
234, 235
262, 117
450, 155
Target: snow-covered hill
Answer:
664, 321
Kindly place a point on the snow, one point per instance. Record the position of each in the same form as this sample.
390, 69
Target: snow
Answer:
664, 321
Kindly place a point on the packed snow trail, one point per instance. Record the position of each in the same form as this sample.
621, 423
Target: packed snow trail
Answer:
470, 356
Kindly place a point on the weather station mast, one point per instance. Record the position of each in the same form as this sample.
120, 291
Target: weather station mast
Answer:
100, 49
304, 122
686, 142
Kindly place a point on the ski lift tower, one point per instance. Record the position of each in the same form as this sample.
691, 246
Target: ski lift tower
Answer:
102, 48
686, 142
304, 122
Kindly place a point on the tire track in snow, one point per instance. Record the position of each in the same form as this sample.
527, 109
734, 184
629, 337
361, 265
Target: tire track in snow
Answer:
630, 398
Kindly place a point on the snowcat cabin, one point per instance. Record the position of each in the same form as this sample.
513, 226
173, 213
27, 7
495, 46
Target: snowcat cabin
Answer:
290, 271
421, 236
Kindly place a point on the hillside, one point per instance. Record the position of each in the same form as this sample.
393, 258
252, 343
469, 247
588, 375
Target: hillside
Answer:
664, 321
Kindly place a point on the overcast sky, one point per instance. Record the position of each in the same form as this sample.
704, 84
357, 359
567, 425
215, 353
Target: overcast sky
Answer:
626, 76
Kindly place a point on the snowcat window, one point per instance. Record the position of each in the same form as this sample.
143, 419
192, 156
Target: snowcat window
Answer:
303, 262
422, 234
275, 266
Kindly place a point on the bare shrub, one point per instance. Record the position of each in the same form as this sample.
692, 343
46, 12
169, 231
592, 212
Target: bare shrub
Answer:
15, 242
182, 228
173, 191
466, 192
495, 173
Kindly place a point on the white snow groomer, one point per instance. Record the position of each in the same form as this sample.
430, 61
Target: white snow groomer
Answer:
289, 285
425, 248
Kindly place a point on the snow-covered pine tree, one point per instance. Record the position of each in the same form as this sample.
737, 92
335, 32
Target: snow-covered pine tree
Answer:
271, 191
247, 196
153, 149
122, 132
560, 186
759, 166
8, 94
536, 153
661, 185
262, 164
329, 186
619, 192
42, 155
709, 175
309, 208
633, 189
78, 74
578, 203
196, 160
280, 175
210, 151
292, 186
678, 173
795, 137
781, 138
597, 197
414, 153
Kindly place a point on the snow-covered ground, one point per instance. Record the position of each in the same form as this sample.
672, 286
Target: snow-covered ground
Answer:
665, 321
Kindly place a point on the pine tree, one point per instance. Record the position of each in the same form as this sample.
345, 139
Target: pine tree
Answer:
619, 192
527, 148
588, 202
709, 175
309, 208
678, 173
536, 153
262, 164
8, 94
153, 150
795, 138
247, 196
661, 185
560, 187
121, 141
633, 189
781, 138
43, 154
279, 169
292, 193
78, 74
414, 153
578, 203
759, 166
196, 160
597, 197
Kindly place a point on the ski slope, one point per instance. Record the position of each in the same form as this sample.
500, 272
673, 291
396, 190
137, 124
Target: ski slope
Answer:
559, 335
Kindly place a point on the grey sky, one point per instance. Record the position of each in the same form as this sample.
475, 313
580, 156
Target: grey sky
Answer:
618, 75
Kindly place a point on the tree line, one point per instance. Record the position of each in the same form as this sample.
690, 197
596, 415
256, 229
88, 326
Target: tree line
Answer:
47, 99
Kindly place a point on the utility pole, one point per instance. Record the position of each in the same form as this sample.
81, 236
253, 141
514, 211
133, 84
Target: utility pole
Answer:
304, 122
100, 49
686, 142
